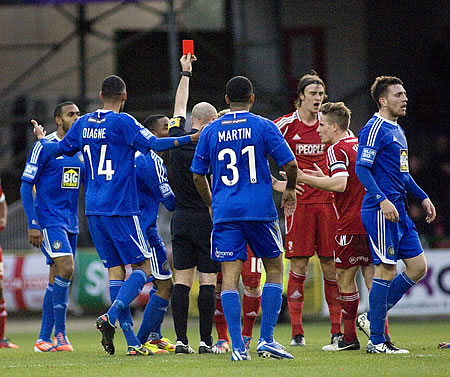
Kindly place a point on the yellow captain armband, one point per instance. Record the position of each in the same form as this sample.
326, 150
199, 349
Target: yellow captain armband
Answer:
174, 122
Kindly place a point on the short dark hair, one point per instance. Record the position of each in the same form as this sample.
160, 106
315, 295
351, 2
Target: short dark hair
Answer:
380, 86
58, 109
113, 87
304, 81
338, 113
150, 121
239, 89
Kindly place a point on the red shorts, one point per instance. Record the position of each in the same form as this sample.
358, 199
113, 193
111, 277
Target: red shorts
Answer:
311, 230
251, 271
352, 250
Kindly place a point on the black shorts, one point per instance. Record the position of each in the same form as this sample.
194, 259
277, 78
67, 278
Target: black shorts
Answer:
191, 236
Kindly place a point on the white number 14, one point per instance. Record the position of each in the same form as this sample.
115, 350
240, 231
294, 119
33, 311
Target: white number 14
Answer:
104, 166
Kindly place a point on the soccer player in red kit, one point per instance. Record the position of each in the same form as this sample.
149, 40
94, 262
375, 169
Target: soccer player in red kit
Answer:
351, 247
311, 229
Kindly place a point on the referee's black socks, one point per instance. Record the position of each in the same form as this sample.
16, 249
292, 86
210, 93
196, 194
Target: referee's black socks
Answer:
206, 309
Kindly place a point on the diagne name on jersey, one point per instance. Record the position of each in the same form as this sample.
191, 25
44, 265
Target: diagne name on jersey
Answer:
94, 133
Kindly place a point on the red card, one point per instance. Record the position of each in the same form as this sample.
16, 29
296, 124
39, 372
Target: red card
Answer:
188, 46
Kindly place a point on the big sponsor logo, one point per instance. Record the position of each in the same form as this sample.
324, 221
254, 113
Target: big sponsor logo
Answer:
70, 178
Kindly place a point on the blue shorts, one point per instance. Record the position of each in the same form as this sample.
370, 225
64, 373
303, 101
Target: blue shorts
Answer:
390, 241
158, 256
58, 242
229, 240
119, 240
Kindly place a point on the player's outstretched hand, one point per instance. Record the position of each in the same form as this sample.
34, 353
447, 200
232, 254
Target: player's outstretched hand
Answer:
430, 210
389, 211
38, 130
444, 345
35, 237
186, 62
317, 172
299, 187
289, 202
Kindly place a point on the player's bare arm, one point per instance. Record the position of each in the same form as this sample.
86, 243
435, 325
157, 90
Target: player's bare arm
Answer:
182, 94
333, 184
38, 130
389, 211
35, 237
202, 185
289, 198
429, 209
280, 186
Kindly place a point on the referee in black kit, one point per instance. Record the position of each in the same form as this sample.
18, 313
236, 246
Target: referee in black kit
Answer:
191, 223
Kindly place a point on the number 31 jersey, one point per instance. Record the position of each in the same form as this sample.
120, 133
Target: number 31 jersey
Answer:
236, 147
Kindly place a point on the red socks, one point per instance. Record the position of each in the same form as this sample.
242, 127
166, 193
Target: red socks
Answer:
251, 304
349, 305
295, 299
219, 319
334, 306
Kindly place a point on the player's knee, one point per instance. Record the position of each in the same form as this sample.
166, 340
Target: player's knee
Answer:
65, 270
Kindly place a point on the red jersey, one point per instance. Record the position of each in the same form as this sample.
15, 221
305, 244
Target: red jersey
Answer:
341, 158
308, 149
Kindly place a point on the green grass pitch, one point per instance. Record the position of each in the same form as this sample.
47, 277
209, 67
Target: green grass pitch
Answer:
89, 359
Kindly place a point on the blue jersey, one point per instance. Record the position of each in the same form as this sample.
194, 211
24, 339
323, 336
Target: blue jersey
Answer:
57, 182
237, 146
108, 141
383, 149
153, 188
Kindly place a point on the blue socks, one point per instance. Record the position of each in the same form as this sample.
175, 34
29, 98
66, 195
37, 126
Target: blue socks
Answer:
271, 300
47, 315
125, 320
60, 298
127, 293
378, 308
153, 317
399, 286
232, 309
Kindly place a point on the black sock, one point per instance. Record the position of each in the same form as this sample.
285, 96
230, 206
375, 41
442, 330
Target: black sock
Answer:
180, 310
206, 308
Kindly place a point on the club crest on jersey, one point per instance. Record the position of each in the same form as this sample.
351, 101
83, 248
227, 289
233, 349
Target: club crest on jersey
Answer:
404, 167
70, 178
368, 155
57, 245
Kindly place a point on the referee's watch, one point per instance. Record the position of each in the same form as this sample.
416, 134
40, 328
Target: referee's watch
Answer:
186, 73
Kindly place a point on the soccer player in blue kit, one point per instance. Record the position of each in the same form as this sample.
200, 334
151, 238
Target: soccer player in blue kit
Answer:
382, 167
153, 189
236, 148
109, 139
53, 223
